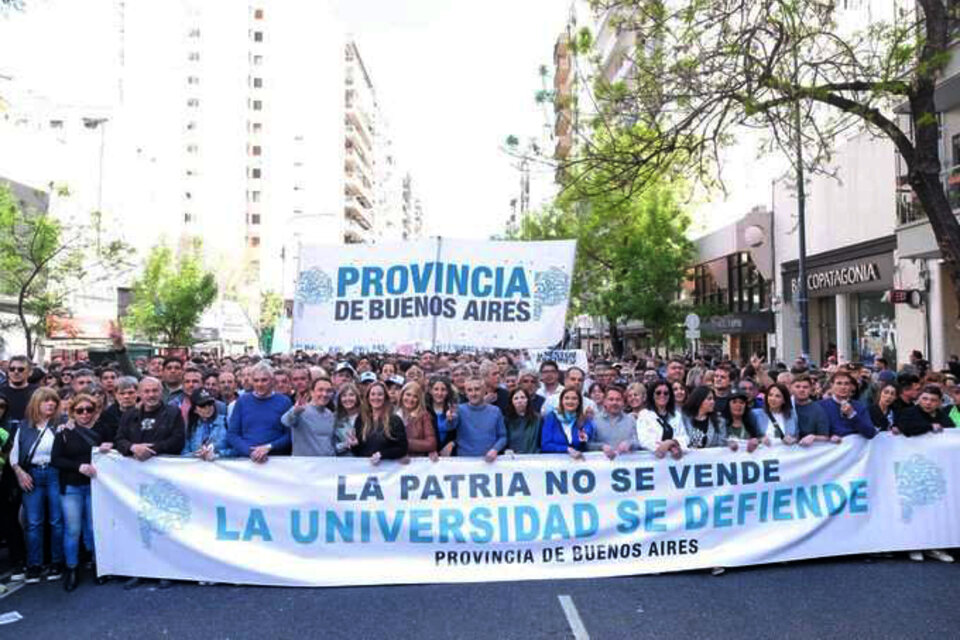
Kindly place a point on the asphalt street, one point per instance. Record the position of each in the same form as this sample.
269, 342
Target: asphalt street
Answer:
838, 598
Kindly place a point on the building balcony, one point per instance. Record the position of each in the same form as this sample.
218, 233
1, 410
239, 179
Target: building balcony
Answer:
358, 211
356, 154
562, 125
357, 184
359, 118
908, 206
358, 134
562, 73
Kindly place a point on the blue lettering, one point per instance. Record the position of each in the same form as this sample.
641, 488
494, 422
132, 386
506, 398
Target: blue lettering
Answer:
257, 527
697, 512
481, 290
527, 523
346, 276
835, 497
372, 279
337, 526
457, 280
222, 532
628, 511
451, 522
420, 526
555, 525
656, 510
807, 501
781, 504
858, 497
295, 528
397, 280
586, 520
390, 531
482, 528
722, 511
517, 284
421, 278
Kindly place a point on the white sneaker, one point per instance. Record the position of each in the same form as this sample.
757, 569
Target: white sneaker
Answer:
939, 554
717, 571
916, 556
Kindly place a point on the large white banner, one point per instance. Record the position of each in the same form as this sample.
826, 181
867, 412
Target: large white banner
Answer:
439, 293
325, 522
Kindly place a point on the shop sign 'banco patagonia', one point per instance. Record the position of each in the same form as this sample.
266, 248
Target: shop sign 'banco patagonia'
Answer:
832, 275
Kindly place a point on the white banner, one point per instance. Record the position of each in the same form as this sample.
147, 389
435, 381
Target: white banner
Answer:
439, 293
565, 358
326, 522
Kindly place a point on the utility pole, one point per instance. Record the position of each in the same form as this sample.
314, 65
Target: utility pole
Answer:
803, 299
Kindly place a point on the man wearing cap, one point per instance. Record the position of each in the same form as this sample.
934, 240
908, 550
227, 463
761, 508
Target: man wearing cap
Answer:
208, 429
343, 374
394, 385
366, 379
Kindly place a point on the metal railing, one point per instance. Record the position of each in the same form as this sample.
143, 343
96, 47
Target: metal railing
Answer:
909, 209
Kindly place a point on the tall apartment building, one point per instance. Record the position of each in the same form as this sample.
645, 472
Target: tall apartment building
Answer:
362, 120
412, 222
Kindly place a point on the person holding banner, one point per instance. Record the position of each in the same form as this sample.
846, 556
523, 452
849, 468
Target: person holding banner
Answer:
881, 412
846, 416
614, 431
255, 428
482, 431
705, 427
523, 422
421, 438
379, 433
741, 426
71, 456
812, 423
206, 429
776, 420
440, 404
636, 397
345, 416
659, 427
312, 425
567, 428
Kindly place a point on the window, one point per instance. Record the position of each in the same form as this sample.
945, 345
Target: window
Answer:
257, 61
191, 173
194, 33
255, 173
254, 218
258, 105
254, 196
193, 102
255, 150
955, 149
193, 56
258, 36
56, 124
188, 218
258, 14
193, 80
257, 127
191, 126
192, 148
253, 241
258, 83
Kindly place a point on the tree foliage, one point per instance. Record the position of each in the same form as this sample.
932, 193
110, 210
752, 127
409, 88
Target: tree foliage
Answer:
632, 250
701, 71
271, 306
171, 296
42, 260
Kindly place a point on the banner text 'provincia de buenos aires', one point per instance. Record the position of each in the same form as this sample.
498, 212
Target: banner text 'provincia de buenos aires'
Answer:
326, 522
440, 293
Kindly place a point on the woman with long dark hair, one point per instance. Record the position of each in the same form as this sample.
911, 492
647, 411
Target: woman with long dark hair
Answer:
659, 426
741, 427
523, 423
567, 428
776, 420
379, 433
881, 412
705, 427
440, 402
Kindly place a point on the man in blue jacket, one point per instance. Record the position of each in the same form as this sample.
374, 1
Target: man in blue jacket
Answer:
846, 416
255, 428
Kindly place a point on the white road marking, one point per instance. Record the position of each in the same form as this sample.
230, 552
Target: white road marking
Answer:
573, 618
11, 588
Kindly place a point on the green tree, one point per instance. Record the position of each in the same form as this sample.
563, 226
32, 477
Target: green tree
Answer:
170, 297
704, 70
42, 259
271, 306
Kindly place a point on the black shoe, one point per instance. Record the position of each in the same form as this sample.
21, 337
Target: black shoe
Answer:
52, 572
90, 565
33, 575
19, 574
132, 583
101, 580
164, 584
72, 579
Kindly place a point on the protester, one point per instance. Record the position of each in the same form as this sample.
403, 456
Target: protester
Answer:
345, 417
40, 482
882, 413
421, 436
379, 433
393, 386
741, 426
312, 424
776, 420
206, 433
440, 404
845, 415
550, 378
660, 428
255, 429
636, 399
812, 422
173, 392
615, 431
573, 379
482, 431
722, 386
704, 425
494, 393
71, 456
567, 428
523, 422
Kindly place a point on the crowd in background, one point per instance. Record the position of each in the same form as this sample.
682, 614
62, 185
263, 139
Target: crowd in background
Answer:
393, 407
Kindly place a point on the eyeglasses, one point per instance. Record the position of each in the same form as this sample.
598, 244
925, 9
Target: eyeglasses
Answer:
18, 369
82, 411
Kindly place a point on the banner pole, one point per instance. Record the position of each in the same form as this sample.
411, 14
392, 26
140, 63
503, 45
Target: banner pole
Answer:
433, 340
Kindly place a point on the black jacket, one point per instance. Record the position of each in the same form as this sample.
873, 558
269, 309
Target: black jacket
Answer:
879, 418
915, 421
390, 448
72, 448
161, 428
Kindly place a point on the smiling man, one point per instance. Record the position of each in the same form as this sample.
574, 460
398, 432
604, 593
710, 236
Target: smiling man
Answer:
255, 429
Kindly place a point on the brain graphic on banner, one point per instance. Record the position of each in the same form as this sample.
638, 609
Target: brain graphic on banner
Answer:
920, 483
162, 509
313, 287
551, 289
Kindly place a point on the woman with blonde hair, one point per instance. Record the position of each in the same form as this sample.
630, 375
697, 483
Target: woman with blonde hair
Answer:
71, 455
635, 398
379, 434
40, 482
421, 438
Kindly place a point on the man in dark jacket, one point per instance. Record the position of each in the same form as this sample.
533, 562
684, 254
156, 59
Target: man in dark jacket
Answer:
153, 428
926, 415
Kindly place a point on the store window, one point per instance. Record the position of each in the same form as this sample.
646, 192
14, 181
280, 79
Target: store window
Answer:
875, 333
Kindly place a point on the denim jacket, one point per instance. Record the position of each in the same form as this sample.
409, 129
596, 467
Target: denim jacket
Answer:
213, 431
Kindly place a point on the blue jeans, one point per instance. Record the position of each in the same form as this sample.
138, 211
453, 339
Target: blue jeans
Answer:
43, 502
77, 521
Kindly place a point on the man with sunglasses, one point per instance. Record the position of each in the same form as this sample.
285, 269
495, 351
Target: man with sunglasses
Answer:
17, 389
17, 392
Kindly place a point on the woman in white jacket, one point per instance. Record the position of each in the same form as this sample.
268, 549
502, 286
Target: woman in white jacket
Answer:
659, 427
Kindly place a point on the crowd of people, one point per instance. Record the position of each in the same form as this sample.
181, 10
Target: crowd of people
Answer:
392, 407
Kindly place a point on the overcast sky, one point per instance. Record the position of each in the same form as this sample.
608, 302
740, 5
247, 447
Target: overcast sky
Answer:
453, 77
